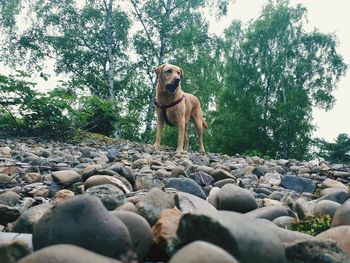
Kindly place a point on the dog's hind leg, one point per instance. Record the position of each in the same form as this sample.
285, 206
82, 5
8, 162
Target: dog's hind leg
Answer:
186, 138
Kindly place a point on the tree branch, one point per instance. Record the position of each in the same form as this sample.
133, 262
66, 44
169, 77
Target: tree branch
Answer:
139, 16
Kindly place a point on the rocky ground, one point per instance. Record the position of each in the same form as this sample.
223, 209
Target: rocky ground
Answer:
108, 201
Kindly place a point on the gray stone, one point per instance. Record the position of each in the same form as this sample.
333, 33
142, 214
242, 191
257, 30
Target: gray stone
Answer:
186, 185
153, 203
337, 196
66, 177
13, 250
320, 251
239, 235
284, 221
202, 252
85, 222
270, 212
326, 207
285, 235
188, 203
298, 184
330, 183
106, 179
221, 183
342, 215
25, 223
65, 254
147, 182
110, 195
26, 238
9, 198
234, 198
140, 232
220, 174
340, 234
304, 209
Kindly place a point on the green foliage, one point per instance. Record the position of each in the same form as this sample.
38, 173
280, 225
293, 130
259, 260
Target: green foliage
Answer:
275, 72
96, 115
28, 112
312, 226
336, 152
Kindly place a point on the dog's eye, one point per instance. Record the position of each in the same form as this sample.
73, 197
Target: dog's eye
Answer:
169, 71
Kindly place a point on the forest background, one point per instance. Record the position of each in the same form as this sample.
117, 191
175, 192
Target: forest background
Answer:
258, 82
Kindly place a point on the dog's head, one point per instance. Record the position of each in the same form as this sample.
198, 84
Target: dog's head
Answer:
169, 77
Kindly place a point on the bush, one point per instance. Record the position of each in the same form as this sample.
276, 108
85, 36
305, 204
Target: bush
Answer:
96, 115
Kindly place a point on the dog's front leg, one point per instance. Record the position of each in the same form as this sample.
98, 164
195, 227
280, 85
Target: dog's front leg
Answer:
181, 135
160, 126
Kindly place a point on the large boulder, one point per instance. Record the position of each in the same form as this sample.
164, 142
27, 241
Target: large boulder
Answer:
85, 222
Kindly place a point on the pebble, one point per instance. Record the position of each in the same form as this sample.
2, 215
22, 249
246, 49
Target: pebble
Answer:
234, 198
105, 196
83, 221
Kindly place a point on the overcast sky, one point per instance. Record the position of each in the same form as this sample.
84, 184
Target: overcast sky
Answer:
328, 17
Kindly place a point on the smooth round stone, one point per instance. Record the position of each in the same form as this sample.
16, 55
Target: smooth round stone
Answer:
13, 250
177, 171
304, 209
270, 212
25, 223
222, 182
110, 196
62, 195
202, 178
10, 236
66, 177
327, 191
153, 203
220, 174
284, 221
9, 198
105, 179
273, 178
242, 237
320, 251
330, 183
326, 207
342, 215
147, 182
8, 180
235, 198
192, 204
202, 252
140, 232
213, 197
339, 196
85, 222
65, 254
186, 185
298, 184
340, 234
285, 235
164, 234
260, 171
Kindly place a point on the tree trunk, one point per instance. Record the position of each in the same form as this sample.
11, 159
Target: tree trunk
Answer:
111, 66
163, 39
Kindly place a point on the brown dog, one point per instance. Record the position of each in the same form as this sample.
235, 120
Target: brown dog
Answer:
176, 107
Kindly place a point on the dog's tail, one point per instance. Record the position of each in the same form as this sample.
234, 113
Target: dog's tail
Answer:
205, 125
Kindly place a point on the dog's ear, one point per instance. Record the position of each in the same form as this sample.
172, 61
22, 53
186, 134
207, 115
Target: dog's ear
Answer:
159, 69
181, 73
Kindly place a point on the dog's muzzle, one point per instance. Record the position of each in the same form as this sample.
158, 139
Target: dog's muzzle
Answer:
173, 86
